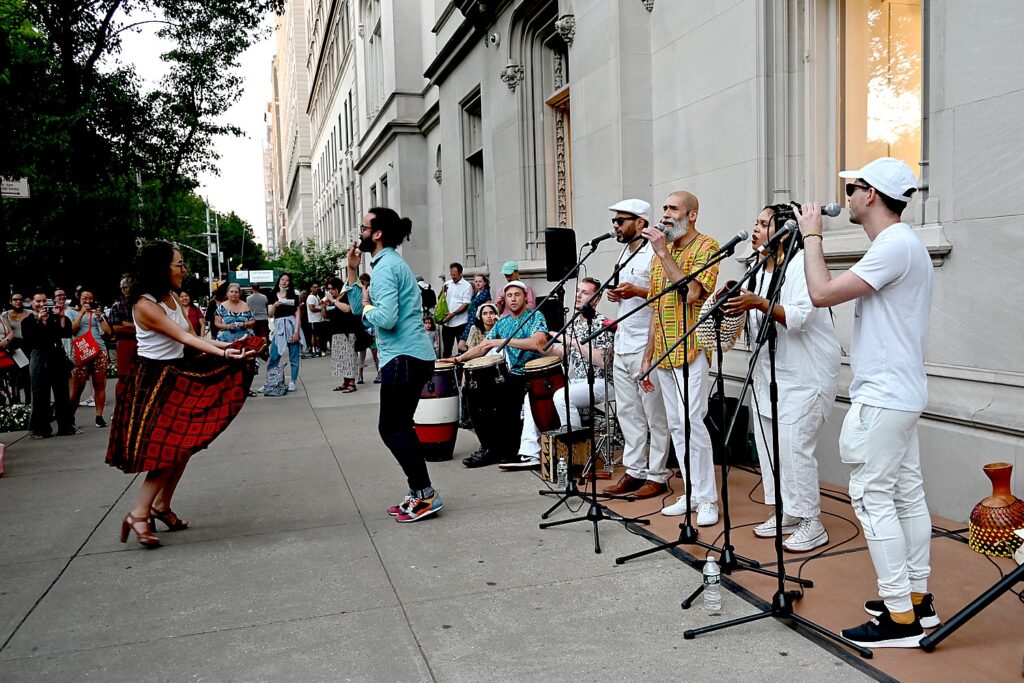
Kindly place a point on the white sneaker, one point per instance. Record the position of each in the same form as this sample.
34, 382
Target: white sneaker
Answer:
291, 386
808, 536
525, 462
707, 514
767, 528
677, 508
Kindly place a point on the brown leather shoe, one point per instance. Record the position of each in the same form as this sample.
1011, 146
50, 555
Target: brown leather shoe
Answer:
650, 489
626, 484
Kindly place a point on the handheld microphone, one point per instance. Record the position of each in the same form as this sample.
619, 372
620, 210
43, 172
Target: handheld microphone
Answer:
601, 238
831, 209
789, 227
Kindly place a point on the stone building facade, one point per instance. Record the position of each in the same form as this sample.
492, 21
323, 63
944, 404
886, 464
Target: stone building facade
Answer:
486, 122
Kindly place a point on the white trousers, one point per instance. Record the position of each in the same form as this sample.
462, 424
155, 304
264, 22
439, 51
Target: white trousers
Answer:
579, 396
639, 412
797, 464
887, 492
702, 464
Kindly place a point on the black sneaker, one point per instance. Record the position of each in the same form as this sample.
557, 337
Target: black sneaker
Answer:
882, 631
100, 422
925, 612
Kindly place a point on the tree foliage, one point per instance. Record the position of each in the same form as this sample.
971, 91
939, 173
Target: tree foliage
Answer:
109, 161
308, 262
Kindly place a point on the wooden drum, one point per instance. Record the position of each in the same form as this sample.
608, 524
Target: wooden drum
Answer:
544, 376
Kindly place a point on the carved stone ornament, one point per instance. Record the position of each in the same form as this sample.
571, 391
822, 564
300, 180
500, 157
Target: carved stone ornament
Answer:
648, 5
512, 75
361, 30
437, 176
566, 27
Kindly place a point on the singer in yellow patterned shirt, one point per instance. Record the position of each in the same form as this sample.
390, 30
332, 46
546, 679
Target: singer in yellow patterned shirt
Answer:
678, 252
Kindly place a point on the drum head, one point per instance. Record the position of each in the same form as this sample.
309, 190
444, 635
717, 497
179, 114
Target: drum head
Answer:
443, 365
483, 362
542, 363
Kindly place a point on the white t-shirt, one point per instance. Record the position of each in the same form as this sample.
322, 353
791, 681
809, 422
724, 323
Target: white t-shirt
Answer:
890, 325
313, 316
458, 293
807, 353
632, 333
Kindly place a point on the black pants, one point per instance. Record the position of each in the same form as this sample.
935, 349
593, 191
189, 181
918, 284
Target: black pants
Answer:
402, 380
449, 337
496, 418
50, 371
322, 330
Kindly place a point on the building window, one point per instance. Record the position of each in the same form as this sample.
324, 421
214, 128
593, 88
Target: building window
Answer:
373, 195
880, 95
384, 190
473, 183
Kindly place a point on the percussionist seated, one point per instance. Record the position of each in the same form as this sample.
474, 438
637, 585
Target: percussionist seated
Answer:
495, 389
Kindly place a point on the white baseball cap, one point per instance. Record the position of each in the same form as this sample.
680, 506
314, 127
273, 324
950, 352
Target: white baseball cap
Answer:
514, 283
637, 207
889, 176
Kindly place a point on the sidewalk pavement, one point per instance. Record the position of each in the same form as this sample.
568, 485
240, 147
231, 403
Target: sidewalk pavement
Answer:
293, 570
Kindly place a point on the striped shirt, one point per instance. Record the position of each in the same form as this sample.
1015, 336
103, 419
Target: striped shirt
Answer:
668, 318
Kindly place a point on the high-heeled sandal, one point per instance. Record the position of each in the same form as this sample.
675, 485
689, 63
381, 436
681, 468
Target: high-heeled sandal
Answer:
172, 521
145, 538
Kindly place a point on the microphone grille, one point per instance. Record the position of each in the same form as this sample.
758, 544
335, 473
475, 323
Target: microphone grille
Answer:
831, 209
743, 235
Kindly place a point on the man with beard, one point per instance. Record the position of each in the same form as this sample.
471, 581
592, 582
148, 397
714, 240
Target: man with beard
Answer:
392, 304
638, 411
526, 345
44, 331
679, 252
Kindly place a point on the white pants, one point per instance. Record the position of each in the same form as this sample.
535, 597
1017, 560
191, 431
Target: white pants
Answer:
579, 396
702, 463
887, 492
638, 412
797, 464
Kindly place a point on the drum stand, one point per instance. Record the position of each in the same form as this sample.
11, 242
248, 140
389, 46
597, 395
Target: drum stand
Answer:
595, 513
782, 602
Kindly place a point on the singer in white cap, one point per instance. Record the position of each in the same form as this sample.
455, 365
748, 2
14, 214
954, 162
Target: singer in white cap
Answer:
807, 369
638, 411
892, 285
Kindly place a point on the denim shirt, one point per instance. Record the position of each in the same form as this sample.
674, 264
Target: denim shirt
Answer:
396, 313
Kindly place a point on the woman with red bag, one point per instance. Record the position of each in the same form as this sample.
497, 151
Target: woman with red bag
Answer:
172, 406
89, 355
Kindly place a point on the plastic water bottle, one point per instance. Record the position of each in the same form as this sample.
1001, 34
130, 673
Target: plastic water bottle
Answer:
712, 587
563, 474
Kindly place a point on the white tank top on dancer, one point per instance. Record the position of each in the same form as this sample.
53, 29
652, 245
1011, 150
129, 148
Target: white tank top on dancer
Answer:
157, 346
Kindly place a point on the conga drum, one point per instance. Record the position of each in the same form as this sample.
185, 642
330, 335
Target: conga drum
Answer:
486, 378
544, 376
437, 415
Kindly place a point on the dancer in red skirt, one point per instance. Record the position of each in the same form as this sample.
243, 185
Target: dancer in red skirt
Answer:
171, 406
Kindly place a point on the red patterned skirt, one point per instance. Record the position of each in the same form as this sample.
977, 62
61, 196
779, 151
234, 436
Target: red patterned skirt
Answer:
166, 411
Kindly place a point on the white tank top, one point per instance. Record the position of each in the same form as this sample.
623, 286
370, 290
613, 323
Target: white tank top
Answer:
156, 345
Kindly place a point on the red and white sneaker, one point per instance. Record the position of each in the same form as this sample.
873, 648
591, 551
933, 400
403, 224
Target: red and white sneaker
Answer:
419, 508
396, 510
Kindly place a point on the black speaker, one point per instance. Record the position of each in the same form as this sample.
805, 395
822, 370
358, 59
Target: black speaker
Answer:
553, 310
560, 249
738, 449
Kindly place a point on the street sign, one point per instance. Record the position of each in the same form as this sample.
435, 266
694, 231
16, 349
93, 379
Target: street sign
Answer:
241, 274
261, 276
15, 188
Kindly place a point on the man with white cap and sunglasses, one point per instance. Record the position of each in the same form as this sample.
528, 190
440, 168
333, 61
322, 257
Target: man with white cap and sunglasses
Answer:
892, 286
637, 411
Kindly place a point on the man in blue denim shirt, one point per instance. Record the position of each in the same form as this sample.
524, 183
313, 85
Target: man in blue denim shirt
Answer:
393, 307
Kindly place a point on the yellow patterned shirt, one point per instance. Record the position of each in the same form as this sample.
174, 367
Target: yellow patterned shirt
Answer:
668, 318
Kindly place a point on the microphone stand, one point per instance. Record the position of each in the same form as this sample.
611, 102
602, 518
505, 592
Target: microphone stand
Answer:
782, 602
595, 513
687, 532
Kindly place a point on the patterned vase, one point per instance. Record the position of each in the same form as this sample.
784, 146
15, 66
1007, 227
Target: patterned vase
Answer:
994, 520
